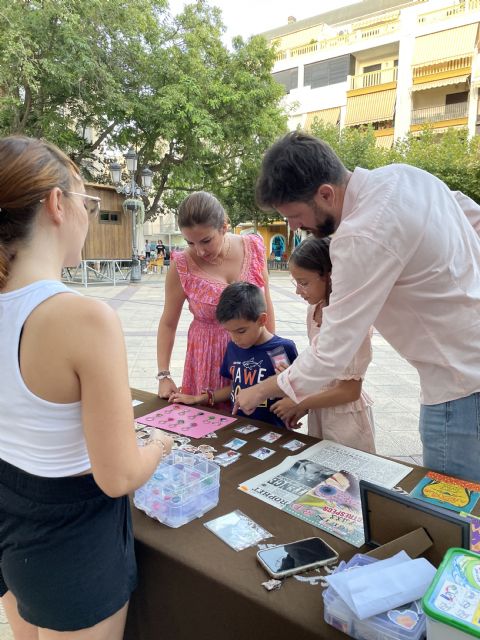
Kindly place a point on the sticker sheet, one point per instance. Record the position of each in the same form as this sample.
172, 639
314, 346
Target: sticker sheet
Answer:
194, 422
237, 530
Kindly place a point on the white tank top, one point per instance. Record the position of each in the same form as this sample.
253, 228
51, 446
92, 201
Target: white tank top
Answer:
41, 437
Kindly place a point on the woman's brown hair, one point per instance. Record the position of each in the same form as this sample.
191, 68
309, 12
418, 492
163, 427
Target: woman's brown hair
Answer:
29, 170
201, 208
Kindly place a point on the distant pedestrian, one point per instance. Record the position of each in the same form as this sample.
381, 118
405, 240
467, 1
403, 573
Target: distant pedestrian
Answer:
160, 248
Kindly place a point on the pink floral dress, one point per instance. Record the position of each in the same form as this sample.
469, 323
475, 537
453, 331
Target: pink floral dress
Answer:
207, 340
350, 424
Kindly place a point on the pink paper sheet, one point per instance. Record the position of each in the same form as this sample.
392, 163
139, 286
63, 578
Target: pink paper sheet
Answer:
193, 422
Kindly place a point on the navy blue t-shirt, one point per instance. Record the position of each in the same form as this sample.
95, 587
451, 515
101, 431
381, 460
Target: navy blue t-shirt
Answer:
247, 367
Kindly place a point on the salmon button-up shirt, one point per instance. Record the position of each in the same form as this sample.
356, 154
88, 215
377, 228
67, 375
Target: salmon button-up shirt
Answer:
406, 259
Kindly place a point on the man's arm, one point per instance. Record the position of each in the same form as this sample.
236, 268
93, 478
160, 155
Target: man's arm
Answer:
470, 208
363, 275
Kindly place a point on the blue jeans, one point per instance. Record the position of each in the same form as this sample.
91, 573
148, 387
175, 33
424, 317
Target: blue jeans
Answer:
450, 434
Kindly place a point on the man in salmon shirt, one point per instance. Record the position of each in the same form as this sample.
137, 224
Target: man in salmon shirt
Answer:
406, 259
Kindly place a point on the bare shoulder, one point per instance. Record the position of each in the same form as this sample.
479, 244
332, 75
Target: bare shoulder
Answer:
77, 311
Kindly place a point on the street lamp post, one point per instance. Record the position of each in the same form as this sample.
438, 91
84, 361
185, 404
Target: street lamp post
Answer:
135, 192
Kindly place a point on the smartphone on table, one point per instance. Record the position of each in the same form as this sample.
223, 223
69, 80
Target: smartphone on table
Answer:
288, 559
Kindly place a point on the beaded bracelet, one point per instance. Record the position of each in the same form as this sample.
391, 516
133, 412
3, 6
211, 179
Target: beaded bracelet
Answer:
160, 444
210, 396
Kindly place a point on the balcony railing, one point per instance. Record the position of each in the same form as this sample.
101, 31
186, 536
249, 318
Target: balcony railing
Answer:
344, 39
373, 78
375, 31
431, 17
437, 114
442, 66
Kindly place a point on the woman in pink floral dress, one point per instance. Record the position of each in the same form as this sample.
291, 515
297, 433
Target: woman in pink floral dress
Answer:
214, 258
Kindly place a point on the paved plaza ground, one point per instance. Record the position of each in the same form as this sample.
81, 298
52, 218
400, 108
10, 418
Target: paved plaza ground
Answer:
391, 382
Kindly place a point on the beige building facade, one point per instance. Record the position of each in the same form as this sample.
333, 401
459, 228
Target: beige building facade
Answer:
396, 66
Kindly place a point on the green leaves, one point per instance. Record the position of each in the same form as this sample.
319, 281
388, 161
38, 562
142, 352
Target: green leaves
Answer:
92, 75
450, 155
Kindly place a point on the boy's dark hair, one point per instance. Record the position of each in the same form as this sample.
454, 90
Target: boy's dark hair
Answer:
293, 169
313, 255
240, 301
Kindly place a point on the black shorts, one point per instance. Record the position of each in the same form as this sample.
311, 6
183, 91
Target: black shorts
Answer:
66, 549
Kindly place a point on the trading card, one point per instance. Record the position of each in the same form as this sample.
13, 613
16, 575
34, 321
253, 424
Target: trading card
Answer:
236, 443
263, 453
227, 458
271, 436
293, 445
246, 428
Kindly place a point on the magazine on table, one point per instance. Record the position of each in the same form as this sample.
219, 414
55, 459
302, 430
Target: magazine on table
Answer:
302, 485
333, 505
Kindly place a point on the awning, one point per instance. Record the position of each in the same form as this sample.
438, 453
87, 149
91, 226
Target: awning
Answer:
371, 107
385, 142
327, 116
451, 43
444, 82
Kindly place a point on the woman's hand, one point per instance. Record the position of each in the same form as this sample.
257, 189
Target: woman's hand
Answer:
157, 436
166, 387
281, 366
183, 398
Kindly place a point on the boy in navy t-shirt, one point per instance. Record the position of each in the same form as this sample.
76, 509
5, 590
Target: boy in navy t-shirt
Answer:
253, 353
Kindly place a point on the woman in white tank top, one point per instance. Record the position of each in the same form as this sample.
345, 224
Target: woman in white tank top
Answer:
68, 453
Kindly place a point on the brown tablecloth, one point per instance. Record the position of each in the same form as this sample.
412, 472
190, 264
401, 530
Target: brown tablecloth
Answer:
194, 586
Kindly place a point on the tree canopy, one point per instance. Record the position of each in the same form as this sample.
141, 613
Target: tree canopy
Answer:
451, 156
103, 75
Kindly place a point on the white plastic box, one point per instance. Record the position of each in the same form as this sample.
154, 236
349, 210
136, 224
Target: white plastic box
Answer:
452, 602
183, 487
403, 623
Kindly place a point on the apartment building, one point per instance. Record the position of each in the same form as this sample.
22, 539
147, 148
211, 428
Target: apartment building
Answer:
393, 65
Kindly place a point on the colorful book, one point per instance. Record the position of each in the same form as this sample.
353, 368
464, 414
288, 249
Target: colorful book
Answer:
447, 492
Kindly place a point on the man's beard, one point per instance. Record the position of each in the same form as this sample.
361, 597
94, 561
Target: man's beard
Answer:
327, 227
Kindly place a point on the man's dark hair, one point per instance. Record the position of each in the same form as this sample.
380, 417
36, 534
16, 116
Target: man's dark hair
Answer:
293, 169
240, 301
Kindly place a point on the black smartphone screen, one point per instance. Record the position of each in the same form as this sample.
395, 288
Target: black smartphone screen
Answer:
296, 554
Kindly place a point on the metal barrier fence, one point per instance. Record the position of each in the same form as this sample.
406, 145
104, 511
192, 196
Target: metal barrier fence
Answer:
98, 271
280, 265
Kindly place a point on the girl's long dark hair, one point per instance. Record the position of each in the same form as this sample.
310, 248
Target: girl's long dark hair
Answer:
313, 254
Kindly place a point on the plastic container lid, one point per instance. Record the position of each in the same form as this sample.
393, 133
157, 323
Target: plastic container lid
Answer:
403, 623
453, 598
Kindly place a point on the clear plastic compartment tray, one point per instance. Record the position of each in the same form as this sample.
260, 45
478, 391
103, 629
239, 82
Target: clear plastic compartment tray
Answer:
184, 486
403, 623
